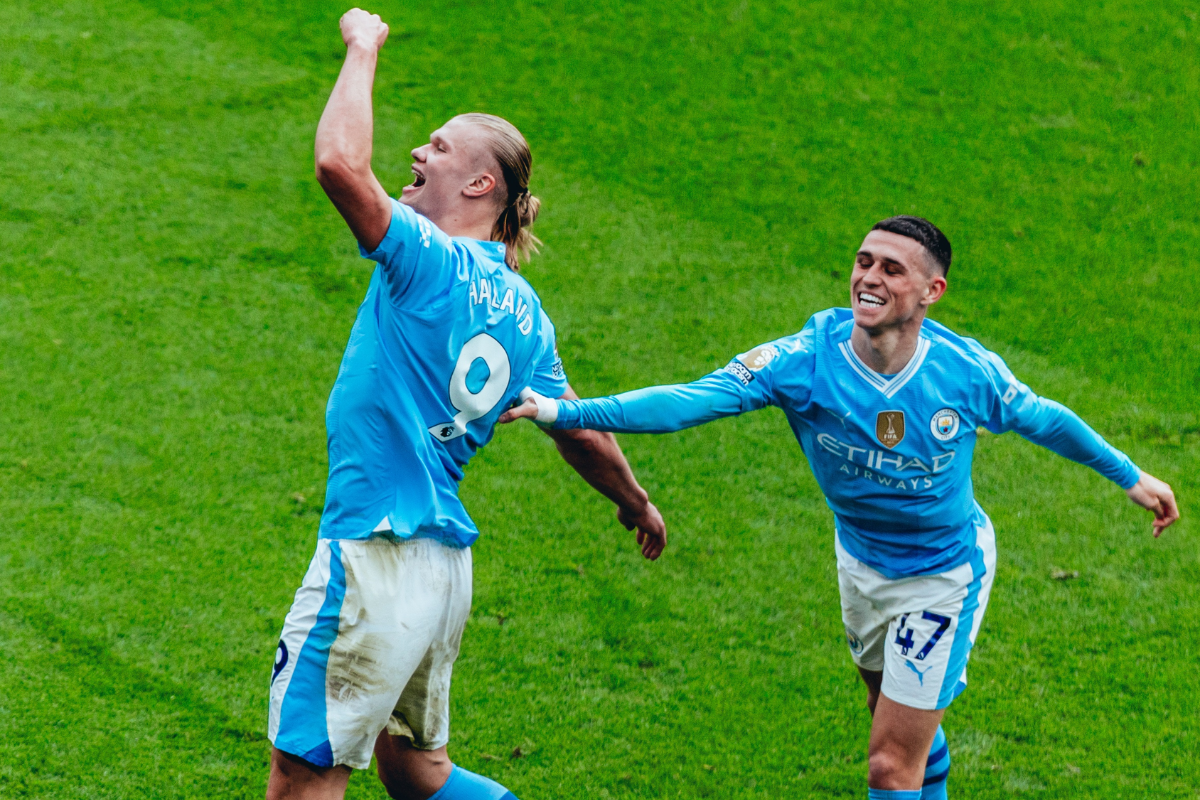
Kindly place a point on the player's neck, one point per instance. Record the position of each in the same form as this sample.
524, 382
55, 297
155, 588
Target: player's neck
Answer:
473, 223
887, 351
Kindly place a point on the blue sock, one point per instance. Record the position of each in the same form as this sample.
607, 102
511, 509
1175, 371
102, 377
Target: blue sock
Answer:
465, 785
937, 768
893, 794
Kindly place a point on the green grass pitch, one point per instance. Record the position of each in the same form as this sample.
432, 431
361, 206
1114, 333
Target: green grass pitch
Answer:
175, 294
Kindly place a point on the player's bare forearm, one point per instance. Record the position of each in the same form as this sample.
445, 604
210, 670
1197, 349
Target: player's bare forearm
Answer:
345, 134
598, 459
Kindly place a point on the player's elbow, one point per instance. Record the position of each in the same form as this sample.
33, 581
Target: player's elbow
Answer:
579, 446
579, 439
328, 167
334, 170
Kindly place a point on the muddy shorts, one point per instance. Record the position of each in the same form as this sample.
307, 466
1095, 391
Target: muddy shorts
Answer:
369, 644
918, 631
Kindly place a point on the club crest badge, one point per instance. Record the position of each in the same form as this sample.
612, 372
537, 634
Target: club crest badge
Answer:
944, 425
852, 639
889, 428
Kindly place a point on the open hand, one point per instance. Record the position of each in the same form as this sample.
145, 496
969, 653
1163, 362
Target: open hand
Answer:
651, 530
361, 29
525, 410
1156, 496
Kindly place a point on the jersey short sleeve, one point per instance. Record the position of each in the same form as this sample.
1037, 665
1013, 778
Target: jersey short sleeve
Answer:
549, 378
416, 258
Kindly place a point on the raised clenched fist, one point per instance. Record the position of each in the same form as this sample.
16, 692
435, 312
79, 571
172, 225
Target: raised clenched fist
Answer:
360, 29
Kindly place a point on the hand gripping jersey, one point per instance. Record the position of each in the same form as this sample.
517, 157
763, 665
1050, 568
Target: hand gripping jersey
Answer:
891, 453
445, 339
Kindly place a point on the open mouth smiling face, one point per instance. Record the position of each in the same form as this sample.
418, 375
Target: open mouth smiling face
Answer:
871, 297
890, 276
871, 300
418, 181
430, 160
440, 168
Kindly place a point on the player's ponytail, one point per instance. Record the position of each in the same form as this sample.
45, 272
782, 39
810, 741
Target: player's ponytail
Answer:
519, 208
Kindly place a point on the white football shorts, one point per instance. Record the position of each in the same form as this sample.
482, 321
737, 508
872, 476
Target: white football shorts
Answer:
918, 631
369, 643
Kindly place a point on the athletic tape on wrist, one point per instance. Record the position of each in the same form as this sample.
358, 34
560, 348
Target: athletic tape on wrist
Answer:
547, 407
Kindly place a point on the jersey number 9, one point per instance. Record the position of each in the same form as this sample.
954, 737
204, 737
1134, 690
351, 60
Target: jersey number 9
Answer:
473, 405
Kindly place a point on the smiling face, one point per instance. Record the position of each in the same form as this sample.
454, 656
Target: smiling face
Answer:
453, 172
893, 283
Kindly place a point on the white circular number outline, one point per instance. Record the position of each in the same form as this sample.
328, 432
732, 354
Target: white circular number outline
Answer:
473, 405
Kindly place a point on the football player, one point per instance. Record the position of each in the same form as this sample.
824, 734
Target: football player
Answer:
885, 404
446, 338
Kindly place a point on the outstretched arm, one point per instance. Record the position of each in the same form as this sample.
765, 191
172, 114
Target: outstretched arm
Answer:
598, 459
657, 409
344, 134
1060, 429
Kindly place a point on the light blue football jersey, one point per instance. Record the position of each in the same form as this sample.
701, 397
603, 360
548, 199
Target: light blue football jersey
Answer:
891, 453
445, 340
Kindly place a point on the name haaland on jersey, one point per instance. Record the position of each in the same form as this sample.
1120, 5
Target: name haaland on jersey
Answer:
443, 342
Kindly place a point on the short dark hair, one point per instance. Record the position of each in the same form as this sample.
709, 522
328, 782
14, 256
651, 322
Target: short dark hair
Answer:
923, 231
